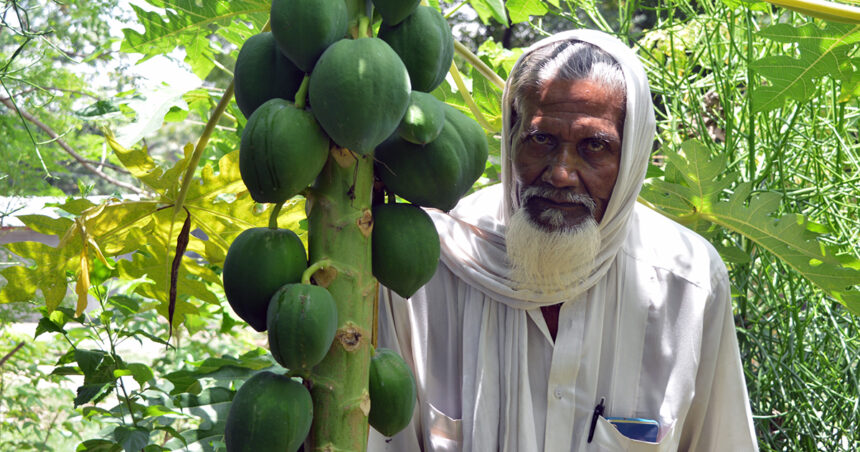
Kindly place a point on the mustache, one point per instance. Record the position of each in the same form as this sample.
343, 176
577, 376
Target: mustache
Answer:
559, 195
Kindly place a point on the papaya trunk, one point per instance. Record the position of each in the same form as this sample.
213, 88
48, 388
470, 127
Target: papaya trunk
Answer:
339, 230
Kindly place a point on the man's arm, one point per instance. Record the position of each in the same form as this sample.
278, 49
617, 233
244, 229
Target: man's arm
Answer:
720, 418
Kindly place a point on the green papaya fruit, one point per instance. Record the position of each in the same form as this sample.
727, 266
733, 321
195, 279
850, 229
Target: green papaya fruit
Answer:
302, 322
269, 412
262, 72
423, 120
258, 263
392, 392
475, 141
425, 44
394, 11
404, 246
303, 29
359, 91
282, 151
429, 175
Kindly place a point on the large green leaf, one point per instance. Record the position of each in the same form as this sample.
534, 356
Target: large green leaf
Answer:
693, 193
220, 209
821, 52
188, 24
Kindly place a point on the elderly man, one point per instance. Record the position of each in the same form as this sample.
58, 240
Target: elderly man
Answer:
562, 311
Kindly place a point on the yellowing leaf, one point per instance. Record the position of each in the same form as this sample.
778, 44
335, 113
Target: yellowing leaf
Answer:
46, 274
82, 288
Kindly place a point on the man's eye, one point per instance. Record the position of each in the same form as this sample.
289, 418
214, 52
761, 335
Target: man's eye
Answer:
540, 138
594, 145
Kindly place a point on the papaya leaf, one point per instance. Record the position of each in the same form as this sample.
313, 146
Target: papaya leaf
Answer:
487, 9
821, 52
74, 206
489, 100
143, 232
188, 24
44, 224
697, 199
48, 274
520, 10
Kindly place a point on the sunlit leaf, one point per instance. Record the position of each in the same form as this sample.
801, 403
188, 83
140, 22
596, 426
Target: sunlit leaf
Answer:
48, 273
821, 52
187, 23
520, 10
140, 372
698, 199
82, 287
47, 326
490, 8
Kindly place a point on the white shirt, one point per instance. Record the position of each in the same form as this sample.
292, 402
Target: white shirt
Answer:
663, 348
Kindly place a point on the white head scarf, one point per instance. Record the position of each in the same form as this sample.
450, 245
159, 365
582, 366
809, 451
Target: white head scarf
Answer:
473, 245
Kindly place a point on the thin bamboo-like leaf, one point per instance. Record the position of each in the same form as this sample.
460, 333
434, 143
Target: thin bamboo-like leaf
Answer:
822, 9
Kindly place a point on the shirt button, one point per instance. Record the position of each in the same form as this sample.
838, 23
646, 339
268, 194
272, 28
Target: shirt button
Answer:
558, 393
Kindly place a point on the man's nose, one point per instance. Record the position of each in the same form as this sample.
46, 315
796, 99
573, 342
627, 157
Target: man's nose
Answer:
563, 169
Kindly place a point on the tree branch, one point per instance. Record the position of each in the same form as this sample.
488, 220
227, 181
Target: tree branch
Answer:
9, 355
65, 146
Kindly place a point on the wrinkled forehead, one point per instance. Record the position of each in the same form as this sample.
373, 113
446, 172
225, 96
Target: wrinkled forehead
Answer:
543, 70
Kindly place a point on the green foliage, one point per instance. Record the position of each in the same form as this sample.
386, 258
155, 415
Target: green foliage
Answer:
40, 47
147, 229
821, 52
189, 24
692, 193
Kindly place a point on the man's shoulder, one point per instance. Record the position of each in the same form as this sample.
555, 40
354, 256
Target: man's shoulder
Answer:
658, 241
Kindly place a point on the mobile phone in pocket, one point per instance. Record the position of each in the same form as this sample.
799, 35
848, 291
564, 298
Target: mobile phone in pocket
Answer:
636, 428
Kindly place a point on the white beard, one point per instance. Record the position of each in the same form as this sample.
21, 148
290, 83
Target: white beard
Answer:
549, 261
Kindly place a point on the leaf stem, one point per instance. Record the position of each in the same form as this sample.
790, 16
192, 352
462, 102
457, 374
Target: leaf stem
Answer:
302, 93
318, 265
364, 27
204, 140
201, 145
482, 67
273, 216
464, 93
454, 10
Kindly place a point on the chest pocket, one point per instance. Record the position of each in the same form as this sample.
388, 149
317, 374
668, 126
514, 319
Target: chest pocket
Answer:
608, 439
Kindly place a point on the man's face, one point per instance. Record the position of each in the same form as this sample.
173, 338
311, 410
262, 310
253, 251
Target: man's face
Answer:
568, 152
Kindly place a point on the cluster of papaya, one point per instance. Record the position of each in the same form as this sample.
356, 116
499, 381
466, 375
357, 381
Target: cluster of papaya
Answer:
304, 87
